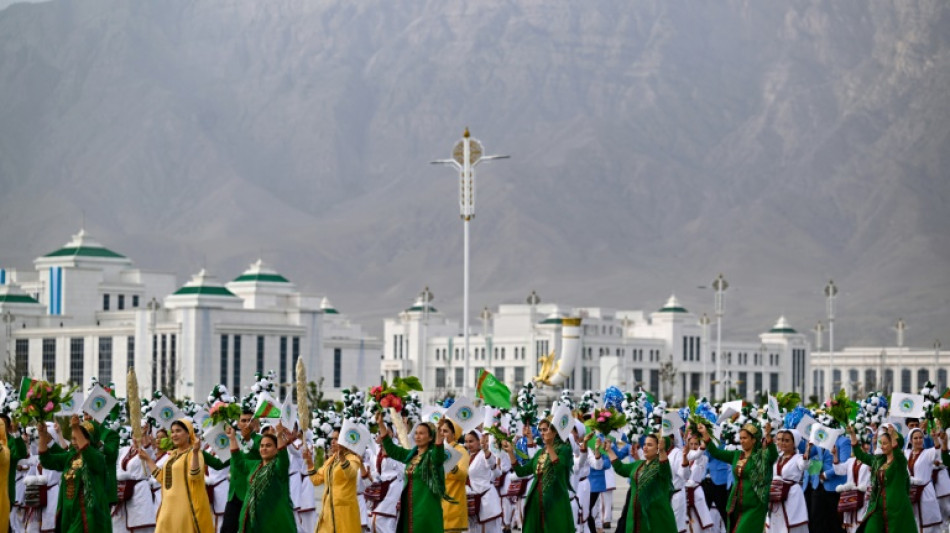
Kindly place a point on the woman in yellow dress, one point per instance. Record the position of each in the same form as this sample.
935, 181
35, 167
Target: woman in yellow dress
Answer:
455, 513
185, 507
10, 453
341, 510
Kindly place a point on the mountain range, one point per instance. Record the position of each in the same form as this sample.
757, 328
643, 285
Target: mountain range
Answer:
654, 144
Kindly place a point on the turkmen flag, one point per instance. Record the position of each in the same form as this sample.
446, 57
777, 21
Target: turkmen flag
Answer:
494, 392
267, 407
946, 394
25, 385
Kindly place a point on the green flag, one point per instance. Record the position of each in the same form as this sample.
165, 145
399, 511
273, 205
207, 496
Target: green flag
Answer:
494, 392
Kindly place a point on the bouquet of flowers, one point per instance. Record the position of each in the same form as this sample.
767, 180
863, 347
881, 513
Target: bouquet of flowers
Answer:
394, 395
605, 421
787, 401
40, 401
527, 411
871, 411
501, 435
613, 397
841, 409
942, 416
929, 392
220, 411
701, 412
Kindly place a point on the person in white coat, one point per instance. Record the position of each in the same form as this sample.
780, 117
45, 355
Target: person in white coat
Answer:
858, 478
692, 468
301, 490
388, 477
675, 456
482, 469
136, 509
584, 460
789, 514
942, 484
920, 465
515, 488
218, 483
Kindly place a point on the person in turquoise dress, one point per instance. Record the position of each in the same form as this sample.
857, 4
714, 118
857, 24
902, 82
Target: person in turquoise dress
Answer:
651, 487
83, 505
422, 495
889, 508
267, 505
752, 464
548, 501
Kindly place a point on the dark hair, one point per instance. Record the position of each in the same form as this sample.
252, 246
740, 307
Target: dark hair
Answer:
447, 422
6, 420
272, 437
472, 433
181, 424
652, 436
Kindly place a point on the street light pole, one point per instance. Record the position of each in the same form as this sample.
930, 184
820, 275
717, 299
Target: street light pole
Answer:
704, 354
719, 285
831, 291
8, 320
466, 155
937, 364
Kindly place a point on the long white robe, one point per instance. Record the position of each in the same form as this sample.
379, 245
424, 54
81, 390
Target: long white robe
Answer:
384, 514
219, 483
678, 501
926, 511
942, 488
301, 490
698, 518
511, 504
481, 473
138, 513
792, 514
852, 520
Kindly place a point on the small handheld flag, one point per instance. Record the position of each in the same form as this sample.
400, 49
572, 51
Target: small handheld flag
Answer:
267, 407
492, 391
98, 403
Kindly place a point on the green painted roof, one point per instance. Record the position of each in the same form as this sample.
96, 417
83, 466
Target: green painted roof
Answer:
84, 251
332, 311
553, 321
419, 309
789, 331
272, 278
673, 310
17, 299
209, 290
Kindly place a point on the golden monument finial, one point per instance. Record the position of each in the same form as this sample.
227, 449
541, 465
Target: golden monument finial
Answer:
466, 133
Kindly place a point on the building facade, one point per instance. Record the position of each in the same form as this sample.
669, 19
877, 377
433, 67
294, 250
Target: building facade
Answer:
666, 351
85, 311
860, 370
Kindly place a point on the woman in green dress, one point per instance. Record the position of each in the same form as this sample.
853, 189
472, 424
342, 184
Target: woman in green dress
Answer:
548, 506
267, 505
748, 504
420, 507
651, 487
83, 505
889, 507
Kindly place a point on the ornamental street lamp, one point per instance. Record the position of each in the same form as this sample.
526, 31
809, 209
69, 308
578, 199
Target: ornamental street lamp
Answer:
940, 385
466, 155
719, 285
8, 320
831, 291
704, 354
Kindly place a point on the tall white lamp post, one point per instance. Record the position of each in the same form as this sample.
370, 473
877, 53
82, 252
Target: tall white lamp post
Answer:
719, 285
937, 365
466, 155
831, 291
704, 354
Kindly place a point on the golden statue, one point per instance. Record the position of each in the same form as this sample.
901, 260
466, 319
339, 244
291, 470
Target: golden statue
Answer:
548, 368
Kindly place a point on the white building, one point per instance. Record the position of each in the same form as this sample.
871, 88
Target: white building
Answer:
666, 351
85, 311
860, 370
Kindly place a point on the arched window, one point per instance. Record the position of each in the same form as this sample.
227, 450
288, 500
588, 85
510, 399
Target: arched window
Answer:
853, 376
870, 379
941, 379
922, 376
888, 384
905, 381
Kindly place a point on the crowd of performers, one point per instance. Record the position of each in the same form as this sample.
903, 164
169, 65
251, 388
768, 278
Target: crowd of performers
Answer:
738, 472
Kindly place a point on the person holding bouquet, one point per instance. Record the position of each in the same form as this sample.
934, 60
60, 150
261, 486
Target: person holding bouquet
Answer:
548, 501
421, 501
752, 469
83, 505
889, 507
651, 488
185, 507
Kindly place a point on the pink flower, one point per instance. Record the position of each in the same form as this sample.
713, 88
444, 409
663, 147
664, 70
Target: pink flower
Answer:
49, 407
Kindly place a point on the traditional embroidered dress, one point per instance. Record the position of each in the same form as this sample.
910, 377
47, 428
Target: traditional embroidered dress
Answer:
548, 501
10, 453
698, 517
651, 490
389, 474
421, 500
889, 508
749, 498
82, 506
267, 505
920, 466
340, 511
185, 507
136, 512
455, 513
790, 515
481, 475
859, 477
